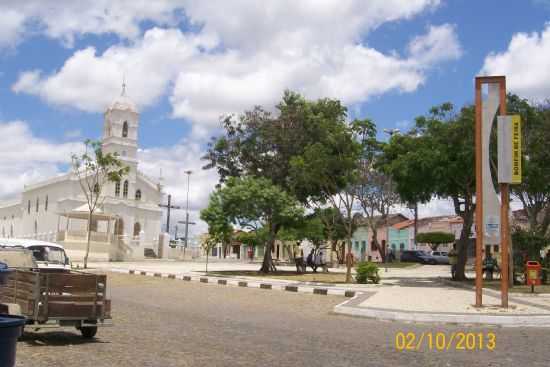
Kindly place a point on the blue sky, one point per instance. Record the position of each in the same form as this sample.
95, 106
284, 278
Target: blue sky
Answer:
187, 62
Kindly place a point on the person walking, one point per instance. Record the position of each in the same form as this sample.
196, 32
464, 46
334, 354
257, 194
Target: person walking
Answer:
453, 260
310, 261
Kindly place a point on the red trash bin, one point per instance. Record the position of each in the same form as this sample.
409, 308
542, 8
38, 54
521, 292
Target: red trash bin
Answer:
532, 274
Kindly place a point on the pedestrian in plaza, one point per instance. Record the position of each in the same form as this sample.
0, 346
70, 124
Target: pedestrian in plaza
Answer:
310, 261
489, 266
299, 260
320, 261
453, 260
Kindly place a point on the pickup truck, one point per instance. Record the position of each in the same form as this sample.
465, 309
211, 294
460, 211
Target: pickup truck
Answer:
53, 298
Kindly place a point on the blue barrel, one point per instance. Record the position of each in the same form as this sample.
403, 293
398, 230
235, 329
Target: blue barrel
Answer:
11, 328
4, 272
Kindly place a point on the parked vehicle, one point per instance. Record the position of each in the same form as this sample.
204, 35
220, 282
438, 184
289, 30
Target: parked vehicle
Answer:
418, 256
47, 255
53, 298
442, 257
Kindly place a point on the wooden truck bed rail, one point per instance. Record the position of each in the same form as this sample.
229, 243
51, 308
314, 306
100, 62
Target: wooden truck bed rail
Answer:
61, 296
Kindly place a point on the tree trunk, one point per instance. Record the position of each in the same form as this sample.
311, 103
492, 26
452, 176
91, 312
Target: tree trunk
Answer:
462, 246
349, 258
88, 238
381, 249
267, 263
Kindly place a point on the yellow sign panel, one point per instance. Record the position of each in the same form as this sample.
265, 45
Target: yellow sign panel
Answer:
516, 149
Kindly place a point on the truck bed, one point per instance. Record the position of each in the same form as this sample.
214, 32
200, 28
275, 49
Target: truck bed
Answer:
44, 296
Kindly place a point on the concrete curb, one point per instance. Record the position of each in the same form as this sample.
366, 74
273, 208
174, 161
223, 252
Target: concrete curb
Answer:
526, 320
236, 282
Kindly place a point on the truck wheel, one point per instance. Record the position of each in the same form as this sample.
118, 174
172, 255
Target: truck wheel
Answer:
88, 332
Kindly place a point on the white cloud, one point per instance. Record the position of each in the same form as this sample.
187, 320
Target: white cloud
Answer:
25, 158
207, 79
439, 44
67, 19
89, 82
524, 63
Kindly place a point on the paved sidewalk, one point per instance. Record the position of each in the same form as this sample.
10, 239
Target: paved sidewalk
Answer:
419, 294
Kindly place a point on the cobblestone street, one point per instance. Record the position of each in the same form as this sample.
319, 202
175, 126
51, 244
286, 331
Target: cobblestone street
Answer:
163, 322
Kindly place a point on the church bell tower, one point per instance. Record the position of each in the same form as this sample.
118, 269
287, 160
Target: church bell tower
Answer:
120, 133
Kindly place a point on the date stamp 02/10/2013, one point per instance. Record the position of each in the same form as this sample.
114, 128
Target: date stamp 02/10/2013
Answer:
445, 341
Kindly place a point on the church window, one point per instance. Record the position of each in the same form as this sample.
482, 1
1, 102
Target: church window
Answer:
3, 232
125, 189
125, 129
46, 204
138, 194
117, 189
37, 204
11, 230
29, 208
124, 153
35, 227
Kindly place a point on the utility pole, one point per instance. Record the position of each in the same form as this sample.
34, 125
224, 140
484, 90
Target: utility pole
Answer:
169, 206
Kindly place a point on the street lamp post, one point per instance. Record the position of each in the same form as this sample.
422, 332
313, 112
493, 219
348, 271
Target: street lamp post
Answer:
188, 172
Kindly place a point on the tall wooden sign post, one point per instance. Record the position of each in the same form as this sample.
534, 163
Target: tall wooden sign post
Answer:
492, 222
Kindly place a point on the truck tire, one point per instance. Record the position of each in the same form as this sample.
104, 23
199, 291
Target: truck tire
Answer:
88, 332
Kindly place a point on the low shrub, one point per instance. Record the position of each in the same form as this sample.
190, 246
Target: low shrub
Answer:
367, 271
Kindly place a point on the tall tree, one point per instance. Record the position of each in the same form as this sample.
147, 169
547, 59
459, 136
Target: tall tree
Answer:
327, 170
94, 170
259, 144
255, 203
436, 159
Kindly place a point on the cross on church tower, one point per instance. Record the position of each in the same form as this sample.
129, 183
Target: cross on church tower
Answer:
123, 93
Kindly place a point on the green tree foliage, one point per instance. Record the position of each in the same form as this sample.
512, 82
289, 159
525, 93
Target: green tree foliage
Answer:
527, 246
220, 229
436, 159
534, 190
94, 169
435, 239
328, 171
305, 149
334, 229
255, 203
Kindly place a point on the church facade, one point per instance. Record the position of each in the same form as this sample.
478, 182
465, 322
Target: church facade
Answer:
124, 228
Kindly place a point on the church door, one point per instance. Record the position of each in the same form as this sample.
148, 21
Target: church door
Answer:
137, 229
119, 227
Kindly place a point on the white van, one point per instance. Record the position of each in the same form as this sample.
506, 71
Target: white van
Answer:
47, 255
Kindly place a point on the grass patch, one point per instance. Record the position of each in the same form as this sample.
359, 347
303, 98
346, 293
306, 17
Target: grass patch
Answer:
319, 277
327, 278
398, 265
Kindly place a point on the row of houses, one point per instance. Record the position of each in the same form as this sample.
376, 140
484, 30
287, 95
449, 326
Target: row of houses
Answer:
397, 232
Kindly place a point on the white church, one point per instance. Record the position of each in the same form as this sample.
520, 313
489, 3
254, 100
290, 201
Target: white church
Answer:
127, 226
